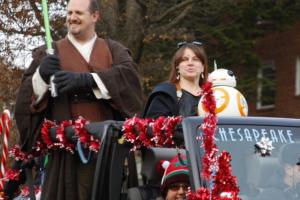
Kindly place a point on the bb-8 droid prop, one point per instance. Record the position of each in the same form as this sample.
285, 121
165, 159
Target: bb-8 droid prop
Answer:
229, 101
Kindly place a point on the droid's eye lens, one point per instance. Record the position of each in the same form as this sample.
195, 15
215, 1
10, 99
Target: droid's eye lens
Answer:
230, 73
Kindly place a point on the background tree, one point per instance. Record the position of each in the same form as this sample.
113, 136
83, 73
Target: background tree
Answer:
9, 82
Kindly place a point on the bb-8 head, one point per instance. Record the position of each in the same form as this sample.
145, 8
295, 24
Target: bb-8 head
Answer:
222, 77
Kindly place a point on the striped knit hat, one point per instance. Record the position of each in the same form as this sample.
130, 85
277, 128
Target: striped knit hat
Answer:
176, 171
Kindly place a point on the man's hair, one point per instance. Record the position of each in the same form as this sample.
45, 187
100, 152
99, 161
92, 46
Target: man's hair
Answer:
94, 6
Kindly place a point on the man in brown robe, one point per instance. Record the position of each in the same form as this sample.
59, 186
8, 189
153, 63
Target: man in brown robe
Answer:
95, 78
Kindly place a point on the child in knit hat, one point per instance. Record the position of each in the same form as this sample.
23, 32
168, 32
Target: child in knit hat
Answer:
175, 181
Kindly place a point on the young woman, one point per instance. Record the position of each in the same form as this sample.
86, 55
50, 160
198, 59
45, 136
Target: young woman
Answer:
181, 94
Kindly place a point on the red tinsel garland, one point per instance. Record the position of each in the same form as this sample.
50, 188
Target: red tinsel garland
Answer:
170, 128
200, 194
41, 147
209, 128
15, 152
86, 139
12, 174
128, 129
25, 190
225, 185
39, 150
135, 131
63, 142
157, 131
142, 127
45, 133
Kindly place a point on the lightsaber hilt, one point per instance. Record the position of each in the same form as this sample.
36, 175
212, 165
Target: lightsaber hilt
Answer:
53, 87
52, 84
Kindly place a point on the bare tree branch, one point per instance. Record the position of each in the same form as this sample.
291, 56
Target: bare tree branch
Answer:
178, 18
170, 10
165, 28
110, 16
142, 3
134, 27
37, 12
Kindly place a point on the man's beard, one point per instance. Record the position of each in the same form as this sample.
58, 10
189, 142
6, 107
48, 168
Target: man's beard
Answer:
75, 30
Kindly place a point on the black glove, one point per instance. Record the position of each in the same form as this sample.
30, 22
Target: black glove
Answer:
68, 81
48, 67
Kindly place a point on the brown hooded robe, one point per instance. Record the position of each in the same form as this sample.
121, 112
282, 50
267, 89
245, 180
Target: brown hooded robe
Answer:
121, 80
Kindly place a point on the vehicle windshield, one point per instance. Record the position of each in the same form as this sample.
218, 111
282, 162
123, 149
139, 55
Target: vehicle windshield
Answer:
264, 154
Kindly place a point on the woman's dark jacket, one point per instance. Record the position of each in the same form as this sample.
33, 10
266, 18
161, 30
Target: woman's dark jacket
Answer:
165, 100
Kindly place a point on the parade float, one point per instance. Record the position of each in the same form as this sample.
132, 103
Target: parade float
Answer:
229, 155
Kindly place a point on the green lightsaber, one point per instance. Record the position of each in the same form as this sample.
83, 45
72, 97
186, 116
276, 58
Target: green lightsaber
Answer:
48, 37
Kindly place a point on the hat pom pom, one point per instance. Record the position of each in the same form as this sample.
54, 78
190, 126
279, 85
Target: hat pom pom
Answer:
160, 166
165, 164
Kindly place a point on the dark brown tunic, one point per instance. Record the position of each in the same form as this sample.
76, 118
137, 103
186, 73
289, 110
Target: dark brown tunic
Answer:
116, 69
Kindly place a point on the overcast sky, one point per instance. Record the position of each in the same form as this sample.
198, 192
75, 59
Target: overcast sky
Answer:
20, 45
